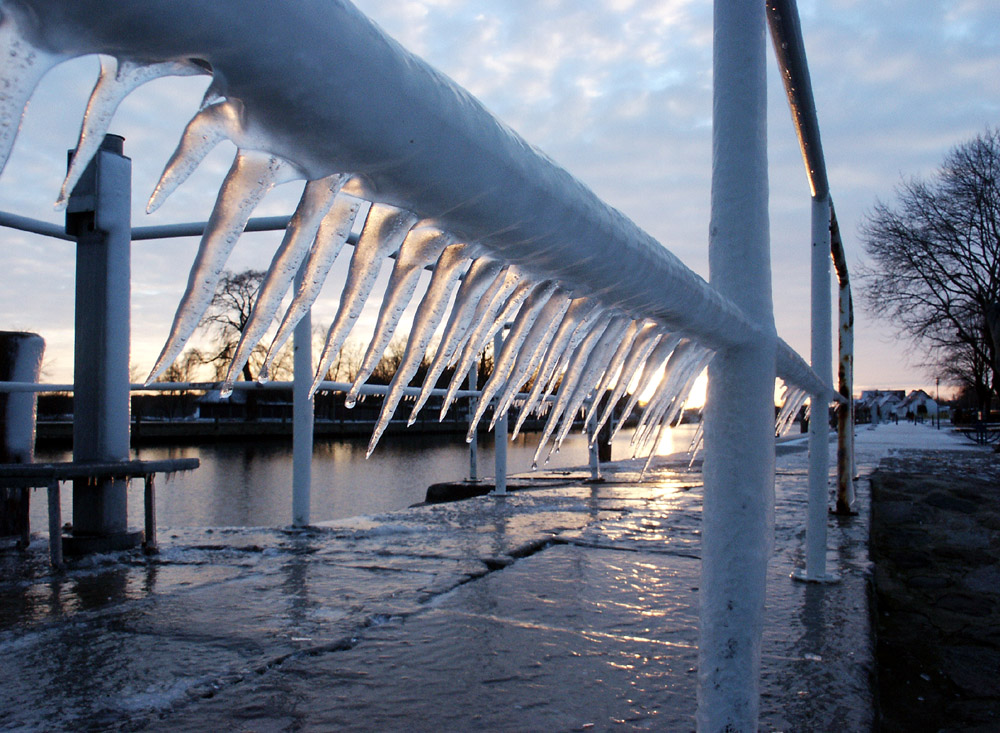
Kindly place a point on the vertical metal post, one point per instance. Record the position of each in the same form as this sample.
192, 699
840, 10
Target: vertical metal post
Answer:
845, 375
303, 412
819, 421
474, 442
55, 525
149, 501
499, 432
739, 424
99, 216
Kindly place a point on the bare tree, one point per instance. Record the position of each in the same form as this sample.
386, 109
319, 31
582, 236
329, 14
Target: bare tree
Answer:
227, 317
936, 270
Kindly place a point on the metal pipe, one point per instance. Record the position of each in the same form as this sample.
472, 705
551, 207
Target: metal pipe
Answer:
303, 414
819, 420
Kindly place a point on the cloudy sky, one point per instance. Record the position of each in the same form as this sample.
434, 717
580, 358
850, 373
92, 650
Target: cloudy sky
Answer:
616, 91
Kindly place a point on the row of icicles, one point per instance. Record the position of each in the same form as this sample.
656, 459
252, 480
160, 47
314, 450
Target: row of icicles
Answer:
570, 348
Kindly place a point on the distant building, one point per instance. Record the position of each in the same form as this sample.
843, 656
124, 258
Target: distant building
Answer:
879, 405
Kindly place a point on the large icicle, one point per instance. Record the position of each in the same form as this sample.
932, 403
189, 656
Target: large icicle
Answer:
119, 77
24, 65
220, 121
644, 344
652, 365
577, 361
384, 232
316, 201
422, 246
596, 365
580, 312
484, 319
503, 362
483, 272
532, 350
330, 239
429, 314
248, 181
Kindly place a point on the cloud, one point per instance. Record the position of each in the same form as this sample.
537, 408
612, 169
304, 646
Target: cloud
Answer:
616, 91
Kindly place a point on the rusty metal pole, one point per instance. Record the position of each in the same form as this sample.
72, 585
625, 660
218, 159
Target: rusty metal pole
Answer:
845, 375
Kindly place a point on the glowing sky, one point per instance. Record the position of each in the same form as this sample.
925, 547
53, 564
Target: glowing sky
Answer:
616, 91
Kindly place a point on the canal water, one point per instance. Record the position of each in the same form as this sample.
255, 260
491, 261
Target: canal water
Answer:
249, 484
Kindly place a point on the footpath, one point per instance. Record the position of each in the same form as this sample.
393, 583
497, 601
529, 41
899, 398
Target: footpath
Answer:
935, 544
558, 608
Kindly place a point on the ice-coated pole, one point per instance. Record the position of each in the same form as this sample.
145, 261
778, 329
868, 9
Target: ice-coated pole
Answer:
819, 420
737, 521
302, 417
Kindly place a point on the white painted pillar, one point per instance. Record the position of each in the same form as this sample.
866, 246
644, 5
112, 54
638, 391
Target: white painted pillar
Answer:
302, 416
99, 215
819, 420
737, 521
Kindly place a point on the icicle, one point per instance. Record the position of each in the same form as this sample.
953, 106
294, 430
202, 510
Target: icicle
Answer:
484, 319
652, 365
24, 65
210, 126
532, 350
119, 77
429, 314
576, 364
330, 238
696, 442
421, 247
315, 203
645, 342
503, 362
579, 311
584, 384
250, 178
483, 272
384, 232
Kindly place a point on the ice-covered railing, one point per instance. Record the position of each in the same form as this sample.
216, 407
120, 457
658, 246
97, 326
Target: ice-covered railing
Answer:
312, 90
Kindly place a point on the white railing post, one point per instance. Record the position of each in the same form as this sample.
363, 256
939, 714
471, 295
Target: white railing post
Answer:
302, 419
737, 523
499, 432
819, 420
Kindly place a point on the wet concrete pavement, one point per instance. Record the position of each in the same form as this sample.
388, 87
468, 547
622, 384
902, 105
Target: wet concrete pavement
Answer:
935, 542
571, 607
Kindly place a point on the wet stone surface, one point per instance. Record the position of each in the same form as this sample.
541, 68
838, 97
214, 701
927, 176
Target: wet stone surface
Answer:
935, 541
558, 608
